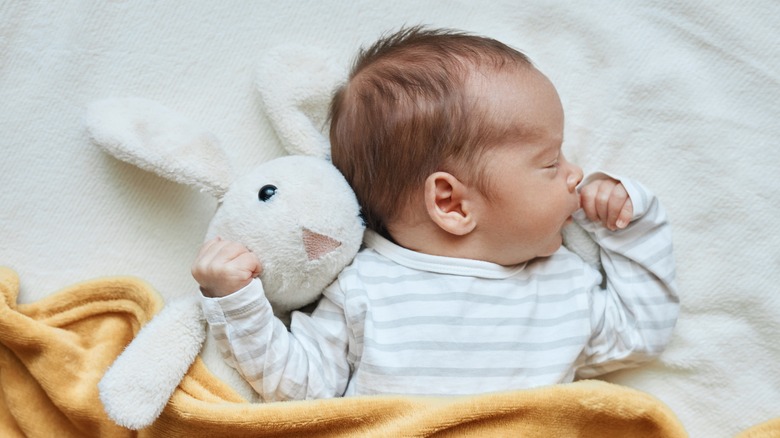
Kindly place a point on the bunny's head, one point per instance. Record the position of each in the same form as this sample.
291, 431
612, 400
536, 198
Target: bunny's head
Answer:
300, 217
296, 213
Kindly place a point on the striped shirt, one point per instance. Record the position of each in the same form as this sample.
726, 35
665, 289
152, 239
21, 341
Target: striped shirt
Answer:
403, 322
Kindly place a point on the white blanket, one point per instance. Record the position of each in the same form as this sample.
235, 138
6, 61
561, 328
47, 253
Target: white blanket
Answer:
683, 96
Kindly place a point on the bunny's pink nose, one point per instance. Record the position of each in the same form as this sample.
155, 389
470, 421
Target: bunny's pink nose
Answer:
317, 245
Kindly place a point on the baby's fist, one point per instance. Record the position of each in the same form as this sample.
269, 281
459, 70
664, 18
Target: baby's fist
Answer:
223, 267
607, 201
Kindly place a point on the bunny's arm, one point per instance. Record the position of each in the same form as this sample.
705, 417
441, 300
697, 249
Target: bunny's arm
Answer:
139, 383
307, 363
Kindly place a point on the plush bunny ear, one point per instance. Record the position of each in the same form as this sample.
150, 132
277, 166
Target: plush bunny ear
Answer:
295, 85
157, 139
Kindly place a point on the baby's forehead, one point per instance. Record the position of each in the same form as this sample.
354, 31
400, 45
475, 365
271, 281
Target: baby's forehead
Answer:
508, 90
503, 82
516, 104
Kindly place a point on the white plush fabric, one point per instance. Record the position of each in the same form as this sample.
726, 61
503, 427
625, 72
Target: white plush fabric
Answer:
132, 395
682, 96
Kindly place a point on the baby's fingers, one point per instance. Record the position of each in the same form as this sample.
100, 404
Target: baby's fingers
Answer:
208, 251
594, 199
208, 246
249, 263
588, 196
626, 213
607, 201
619, 208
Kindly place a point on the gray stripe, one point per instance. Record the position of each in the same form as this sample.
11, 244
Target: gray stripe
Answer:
619, 242
281, 363
642, 277
547, 277
475, 298
475, 346
264, 369
661, 254
239, 332
288, 390
462, 372
372, 255
649, 301
262, 349
426, 277
250, 355
246, 308
330, 339
328, 315
255, 329
485, 322
378, 258
645, 232
670, 279
559, 257
356, 321
650, 278
379, 279
657, 325
623, 263
589, 371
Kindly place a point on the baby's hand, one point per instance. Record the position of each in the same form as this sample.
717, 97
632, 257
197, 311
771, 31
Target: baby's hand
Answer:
223, 267
607, 201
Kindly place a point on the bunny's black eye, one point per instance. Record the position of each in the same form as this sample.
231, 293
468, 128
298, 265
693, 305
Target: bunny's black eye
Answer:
266, 192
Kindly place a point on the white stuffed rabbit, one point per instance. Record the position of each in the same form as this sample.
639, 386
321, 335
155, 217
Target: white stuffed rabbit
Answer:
296, 213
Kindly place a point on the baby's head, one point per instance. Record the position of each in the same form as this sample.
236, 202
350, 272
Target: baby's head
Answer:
452, 145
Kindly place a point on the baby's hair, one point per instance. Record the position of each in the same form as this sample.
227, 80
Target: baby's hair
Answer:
403, 114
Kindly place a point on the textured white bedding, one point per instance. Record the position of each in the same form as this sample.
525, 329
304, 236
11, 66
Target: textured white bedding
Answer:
683, 96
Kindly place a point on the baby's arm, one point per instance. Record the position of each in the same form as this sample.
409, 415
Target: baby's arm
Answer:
636, 311
308, 362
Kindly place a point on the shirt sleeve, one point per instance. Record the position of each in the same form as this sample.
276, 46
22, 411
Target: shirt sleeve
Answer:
636, 306
308, 361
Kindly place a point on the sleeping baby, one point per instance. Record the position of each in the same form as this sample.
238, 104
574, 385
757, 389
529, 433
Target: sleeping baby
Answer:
452, 144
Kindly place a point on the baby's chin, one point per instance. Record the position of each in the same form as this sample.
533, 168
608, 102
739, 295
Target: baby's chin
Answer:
552, 246
555, 244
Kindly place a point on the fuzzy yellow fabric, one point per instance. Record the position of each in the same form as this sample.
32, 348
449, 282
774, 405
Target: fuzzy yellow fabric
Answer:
54, 352
769, 429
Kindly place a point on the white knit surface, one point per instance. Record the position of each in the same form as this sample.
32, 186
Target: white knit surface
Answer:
683, 96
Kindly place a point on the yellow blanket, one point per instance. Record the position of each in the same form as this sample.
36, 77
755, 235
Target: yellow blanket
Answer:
54, 352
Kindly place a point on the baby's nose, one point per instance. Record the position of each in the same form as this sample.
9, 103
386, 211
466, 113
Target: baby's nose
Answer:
575, 177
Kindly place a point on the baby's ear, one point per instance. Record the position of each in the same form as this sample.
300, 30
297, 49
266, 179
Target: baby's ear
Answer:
295, 85
449, 205
155, 138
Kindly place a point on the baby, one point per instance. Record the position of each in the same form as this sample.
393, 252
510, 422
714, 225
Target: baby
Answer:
452, 143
